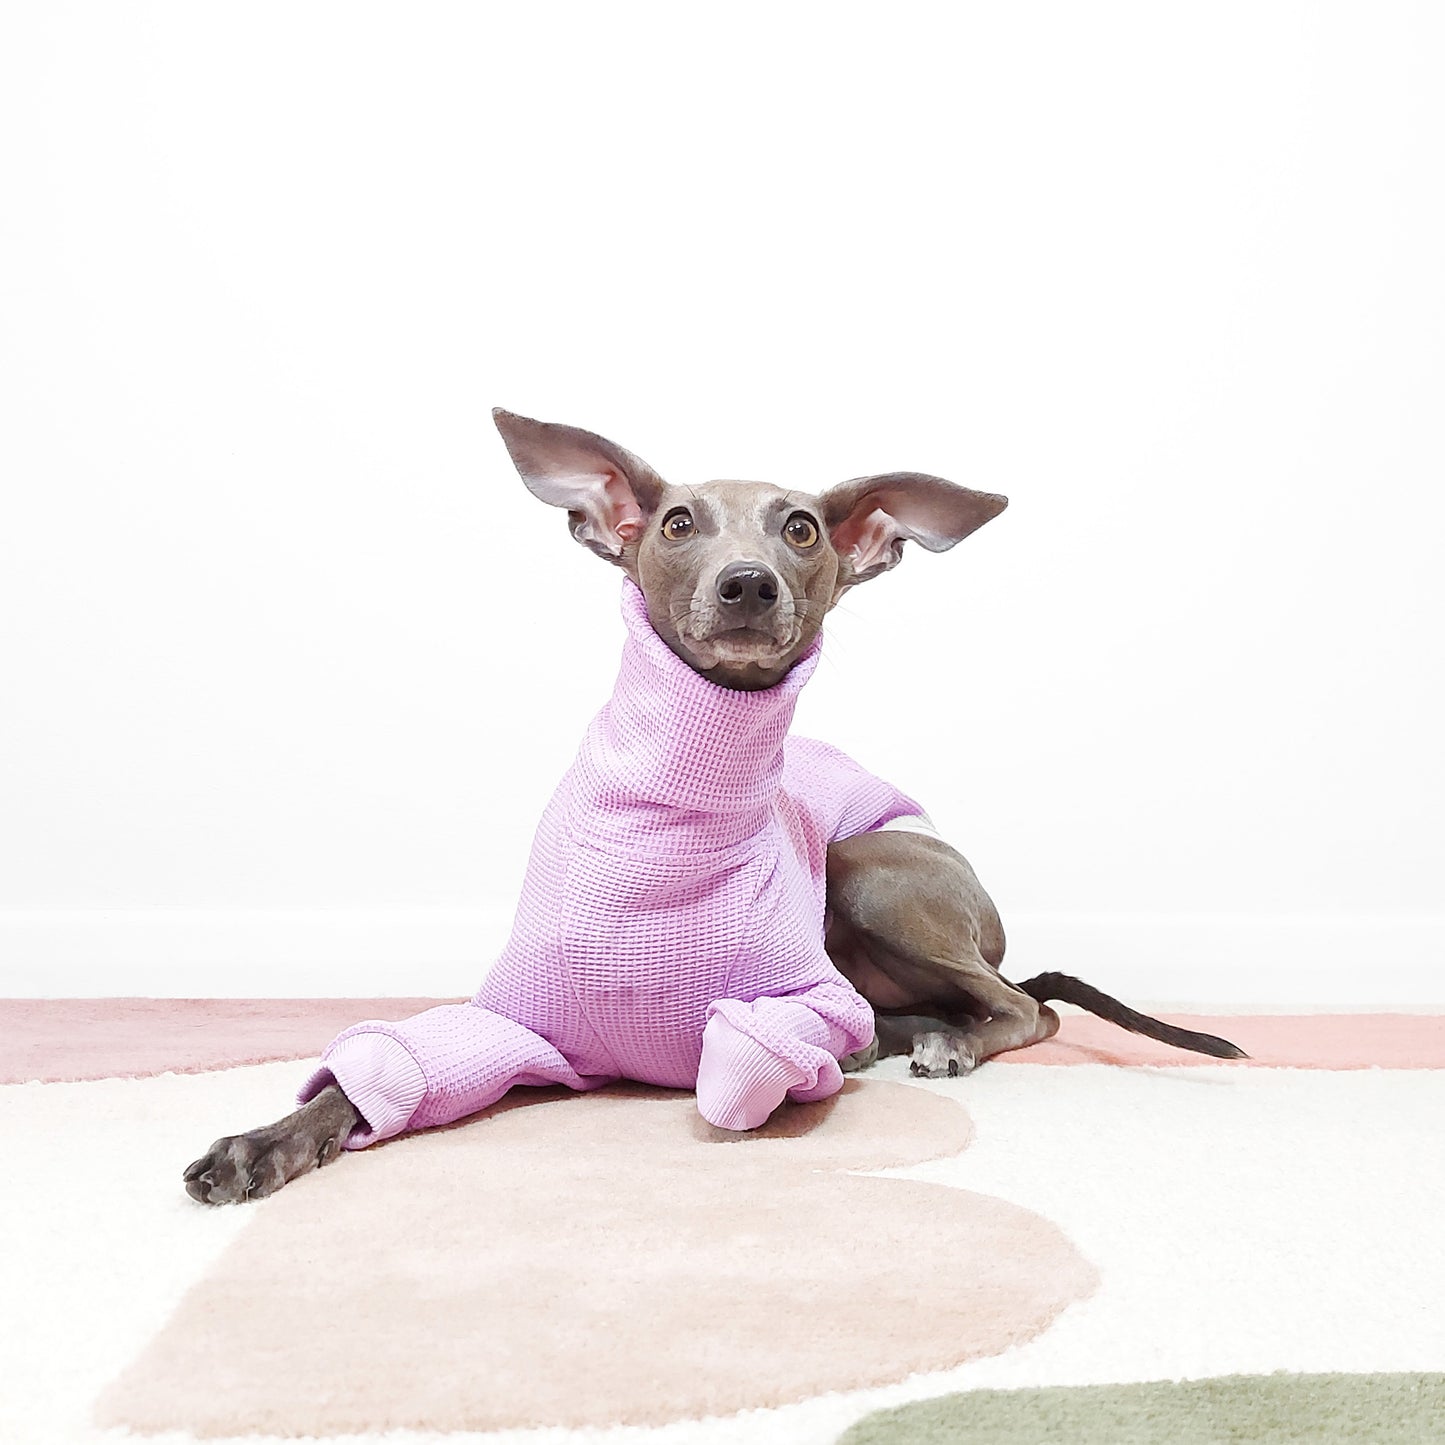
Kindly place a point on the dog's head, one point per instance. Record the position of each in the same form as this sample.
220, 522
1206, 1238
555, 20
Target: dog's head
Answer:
738, 576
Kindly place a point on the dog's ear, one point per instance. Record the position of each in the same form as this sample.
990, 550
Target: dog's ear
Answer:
609, 494
870, 518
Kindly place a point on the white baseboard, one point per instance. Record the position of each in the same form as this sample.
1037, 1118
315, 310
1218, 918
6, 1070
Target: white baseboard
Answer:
1208, 960
1270, 961
248, 953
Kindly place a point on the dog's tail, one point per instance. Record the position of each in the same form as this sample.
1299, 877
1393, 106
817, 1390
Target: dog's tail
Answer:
1050, 987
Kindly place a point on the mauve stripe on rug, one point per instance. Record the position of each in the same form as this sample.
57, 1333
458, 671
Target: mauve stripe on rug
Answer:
57, 1040
54, 1040
1272, 1041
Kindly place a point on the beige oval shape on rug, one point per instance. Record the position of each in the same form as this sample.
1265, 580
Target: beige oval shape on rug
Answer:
602, 1259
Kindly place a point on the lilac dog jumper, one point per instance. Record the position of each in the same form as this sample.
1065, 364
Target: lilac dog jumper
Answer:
670, 928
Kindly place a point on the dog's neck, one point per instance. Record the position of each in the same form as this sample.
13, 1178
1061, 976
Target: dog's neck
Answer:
675, 762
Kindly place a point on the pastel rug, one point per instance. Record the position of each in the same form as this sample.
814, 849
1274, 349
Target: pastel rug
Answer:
986, 1253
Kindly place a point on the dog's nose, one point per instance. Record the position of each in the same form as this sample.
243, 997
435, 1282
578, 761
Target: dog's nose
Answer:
748, 586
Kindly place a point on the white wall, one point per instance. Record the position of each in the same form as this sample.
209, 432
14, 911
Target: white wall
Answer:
290, 661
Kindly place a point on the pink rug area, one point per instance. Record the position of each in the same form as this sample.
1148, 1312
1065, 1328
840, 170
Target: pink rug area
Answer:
54, 1040
599, 1259
1272, 1041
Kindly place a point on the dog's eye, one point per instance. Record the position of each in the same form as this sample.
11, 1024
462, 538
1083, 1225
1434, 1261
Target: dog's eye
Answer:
678, 524
801, 531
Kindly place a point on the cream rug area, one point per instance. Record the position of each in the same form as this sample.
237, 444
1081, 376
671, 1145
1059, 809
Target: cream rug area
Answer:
603, 1258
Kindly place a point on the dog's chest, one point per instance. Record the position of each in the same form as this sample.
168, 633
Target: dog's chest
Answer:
642, 932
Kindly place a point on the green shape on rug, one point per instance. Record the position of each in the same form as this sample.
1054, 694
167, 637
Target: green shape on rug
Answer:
1261, 1409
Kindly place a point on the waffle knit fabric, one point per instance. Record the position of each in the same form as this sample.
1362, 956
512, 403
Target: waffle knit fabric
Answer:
670, 928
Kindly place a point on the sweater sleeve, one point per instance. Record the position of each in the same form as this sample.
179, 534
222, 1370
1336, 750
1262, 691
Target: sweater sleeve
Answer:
840, 797
435, 1067
756, 1053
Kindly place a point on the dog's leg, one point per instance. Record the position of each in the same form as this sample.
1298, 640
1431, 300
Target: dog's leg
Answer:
863, 1059
941, 1046
938, 1049
251, 1166
372, 1085
912, 928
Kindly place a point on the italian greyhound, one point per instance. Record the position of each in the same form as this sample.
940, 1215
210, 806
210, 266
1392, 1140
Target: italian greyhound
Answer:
737, 578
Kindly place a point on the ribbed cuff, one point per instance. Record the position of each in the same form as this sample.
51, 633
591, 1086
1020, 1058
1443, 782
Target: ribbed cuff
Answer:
785, 1026
378, 1074
739, 1083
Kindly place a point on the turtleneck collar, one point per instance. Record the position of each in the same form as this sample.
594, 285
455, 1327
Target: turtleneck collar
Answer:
674, 762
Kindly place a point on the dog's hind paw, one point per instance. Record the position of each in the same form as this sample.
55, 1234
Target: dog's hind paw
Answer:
941, 1056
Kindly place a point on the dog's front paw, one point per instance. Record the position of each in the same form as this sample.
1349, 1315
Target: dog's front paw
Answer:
863, 1059
251, 1166
941, 1056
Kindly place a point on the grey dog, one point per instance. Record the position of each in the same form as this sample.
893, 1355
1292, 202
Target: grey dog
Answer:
738, 577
